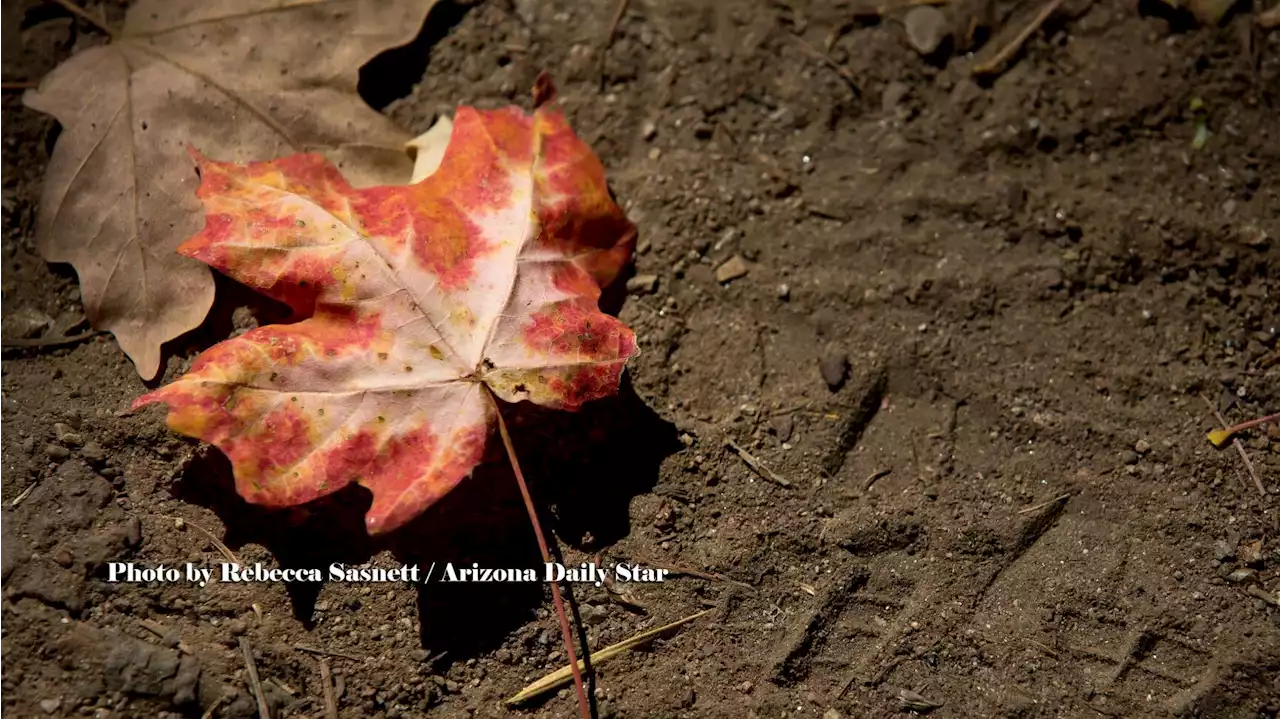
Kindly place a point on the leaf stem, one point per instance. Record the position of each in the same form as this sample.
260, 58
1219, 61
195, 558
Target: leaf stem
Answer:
565, 631
1220, 436
84, 15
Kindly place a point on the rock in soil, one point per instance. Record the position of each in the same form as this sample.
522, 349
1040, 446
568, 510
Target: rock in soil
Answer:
834, 368
732, 269
26, 323
93, 452
926, 29
642, 285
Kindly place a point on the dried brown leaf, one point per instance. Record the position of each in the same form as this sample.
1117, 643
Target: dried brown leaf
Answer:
235, 79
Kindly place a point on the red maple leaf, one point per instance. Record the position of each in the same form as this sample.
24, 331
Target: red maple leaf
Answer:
423, 304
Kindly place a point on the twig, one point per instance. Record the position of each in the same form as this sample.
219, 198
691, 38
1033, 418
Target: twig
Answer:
326, 683
83, 15
840, 70
997, 63
1256, 591
223, 698
23, 494
608, 38
891, 7
49, 341
1042, 505
217, 543
1044, 648
15, 86
560, 677
875, 477
565, 631
327, 652
709, 576
1235, 441
158, 629
756, 465
284, 686
264, 710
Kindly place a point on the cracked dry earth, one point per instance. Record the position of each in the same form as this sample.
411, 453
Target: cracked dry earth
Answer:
974, 326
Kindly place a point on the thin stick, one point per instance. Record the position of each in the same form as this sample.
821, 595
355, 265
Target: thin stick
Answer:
608, 38
327, 652
997, 63
326, 683
565, 631
222, 699
699, 574
1256, 591
49, 342
875, 477
283, 686
264, 711
23, 494
223, 549
14, 86
561, 676
840, 70
157, 629
886, 9
83, 15
1235, 441
756, 465
1042, 505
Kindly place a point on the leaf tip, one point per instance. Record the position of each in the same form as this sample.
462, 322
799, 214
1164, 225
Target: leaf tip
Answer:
195, 154
150, 398
1219, 437
544, 90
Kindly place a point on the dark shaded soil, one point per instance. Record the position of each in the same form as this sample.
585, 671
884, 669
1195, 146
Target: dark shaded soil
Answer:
1005, 504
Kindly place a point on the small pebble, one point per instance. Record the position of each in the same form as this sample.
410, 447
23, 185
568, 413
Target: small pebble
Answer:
93, 452
926, 28
834, 368
1223, 550
50, 705
1242, 575
893, 94
1129, 457
57, 452
642, 285
26, 323
649, 130
832, 714
1142, 446
133, 532
746, 687
732, 269
784, 291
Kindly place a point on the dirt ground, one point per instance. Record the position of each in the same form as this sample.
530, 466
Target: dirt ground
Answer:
977, 329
